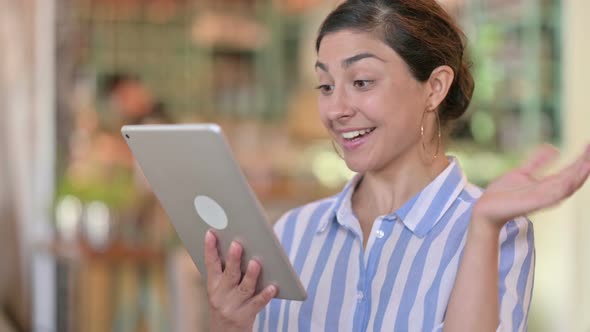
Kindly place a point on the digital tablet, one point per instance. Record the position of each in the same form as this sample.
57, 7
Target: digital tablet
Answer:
194, 175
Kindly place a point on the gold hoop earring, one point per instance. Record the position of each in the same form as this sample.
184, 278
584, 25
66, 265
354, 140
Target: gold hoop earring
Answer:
336, 150
439, 135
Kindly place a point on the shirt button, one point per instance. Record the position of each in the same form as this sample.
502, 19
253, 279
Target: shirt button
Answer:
380, 234
360, 296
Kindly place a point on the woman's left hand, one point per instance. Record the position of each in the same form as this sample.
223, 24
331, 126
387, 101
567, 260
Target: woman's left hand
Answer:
521, 191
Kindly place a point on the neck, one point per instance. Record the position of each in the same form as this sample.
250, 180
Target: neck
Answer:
387, 189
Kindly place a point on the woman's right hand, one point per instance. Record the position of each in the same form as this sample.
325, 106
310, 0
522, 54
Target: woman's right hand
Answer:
233, 304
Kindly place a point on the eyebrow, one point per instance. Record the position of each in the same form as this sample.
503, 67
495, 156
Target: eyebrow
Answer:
349, 61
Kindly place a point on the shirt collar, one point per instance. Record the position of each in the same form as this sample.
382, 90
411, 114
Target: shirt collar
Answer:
342, 208
420, 214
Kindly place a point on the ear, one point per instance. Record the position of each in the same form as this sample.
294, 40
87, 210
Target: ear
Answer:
439, 84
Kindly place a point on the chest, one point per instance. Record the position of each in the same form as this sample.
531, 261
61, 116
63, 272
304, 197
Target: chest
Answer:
398, 280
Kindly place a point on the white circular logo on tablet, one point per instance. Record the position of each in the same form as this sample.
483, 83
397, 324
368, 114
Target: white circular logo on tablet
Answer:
211, 212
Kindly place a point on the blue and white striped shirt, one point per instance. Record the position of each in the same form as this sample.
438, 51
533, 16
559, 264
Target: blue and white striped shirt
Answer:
403, 279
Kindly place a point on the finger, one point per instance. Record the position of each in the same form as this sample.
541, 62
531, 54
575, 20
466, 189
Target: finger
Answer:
247, 287
258, 302
539, 159
555, 188
585, 165
212, 260
573, 168
544, 193
587, 152
584, 172
232, 273
571, 178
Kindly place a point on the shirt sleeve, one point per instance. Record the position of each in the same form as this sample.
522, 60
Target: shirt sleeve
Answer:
263, 316
516, 274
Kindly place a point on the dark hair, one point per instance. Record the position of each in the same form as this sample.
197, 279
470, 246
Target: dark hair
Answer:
421, 32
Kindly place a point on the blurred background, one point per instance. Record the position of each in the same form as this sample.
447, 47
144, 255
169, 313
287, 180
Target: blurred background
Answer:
84, 245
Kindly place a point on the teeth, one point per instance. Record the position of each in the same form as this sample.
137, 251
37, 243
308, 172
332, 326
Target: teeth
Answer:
351, 134
356, 133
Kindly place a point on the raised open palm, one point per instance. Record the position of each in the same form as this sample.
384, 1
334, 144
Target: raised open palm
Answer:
521, 191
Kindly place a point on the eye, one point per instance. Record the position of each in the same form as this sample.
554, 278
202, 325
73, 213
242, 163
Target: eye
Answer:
325, 89
362, 84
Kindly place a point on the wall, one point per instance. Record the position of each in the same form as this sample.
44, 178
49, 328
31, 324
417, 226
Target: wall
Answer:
562, 289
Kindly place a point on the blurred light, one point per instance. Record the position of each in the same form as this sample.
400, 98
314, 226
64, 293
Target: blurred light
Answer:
330, 170
97, 224
67, 215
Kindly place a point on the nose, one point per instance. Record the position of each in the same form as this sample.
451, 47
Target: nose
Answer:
340, 106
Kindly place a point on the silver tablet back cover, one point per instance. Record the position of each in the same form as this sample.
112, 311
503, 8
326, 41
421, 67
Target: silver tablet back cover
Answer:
182, 162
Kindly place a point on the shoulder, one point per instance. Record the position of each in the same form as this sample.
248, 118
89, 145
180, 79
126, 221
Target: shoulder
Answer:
471, 193
304, 214
517, 234
517, 230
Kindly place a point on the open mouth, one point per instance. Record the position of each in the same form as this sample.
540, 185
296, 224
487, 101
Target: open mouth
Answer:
357, 134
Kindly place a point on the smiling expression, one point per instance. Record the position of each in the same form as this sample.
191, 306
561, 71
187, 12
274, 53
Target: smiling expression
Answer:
369, 101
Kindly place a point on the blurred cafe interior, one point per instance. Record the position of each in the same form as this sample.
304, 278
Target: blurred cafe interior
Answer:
84, 243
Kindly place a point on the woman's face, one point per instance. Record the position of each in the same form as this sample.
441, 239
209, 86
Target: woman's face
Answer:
369, 101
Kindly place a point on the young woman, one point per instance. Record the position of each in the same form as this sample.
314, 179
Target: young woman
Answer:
409, 244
